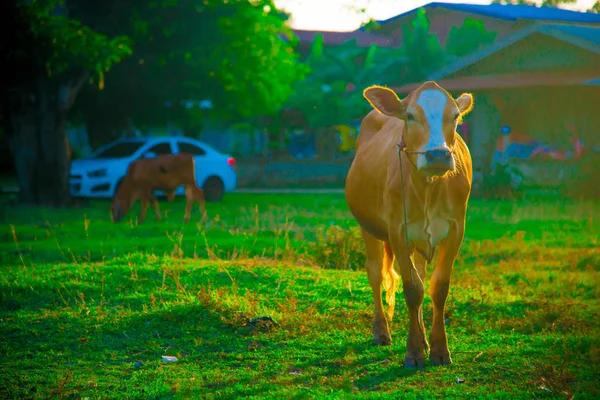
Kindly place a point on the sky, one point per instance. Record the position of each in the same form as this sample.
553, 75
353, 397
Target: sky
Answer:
344, 15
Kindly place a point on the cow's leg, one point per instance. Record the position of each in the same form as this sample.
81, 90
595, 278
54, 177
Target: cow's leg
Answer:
145, 195
440, 285
170, 196
421, 267
144, 208
189, 201
156, 208
198, 195
374, 266
416, 344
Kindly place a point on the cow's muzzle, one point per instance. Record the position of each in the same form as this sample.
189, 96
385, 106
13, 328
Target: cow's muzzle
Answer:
117, 215
437, 161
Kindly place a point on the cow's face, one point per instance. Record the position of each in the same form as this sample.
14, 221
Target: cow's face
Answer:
431, 116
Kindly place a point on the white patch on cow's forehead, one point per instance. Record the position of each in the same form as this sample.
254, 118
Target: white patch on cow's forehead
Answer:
433, 102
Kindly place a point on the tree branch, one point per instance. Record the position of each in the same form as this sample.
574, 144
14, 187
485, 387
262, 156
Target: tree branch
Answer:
68, 93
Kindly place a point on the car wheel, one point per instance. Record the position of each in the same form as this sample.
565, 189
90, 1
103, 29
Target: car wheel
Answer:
213, 189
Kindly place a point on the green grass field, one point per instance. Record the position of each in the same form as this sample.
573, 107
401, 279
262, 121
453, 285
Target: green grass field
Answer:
88, 308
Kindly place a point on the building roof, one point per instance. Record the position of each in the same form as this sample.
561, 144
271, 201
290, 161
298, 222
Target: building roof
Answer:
512, 12
586, 37
588, 33
363, 39
580, 36
496, 81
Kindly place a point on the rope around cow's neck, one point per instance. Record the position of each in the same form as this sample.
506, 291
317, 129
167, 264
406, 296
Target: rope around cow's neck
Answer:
400, 151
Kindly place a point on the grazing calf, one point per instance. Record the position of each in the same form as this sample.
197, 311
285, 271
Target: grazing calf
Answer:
408, 189
165, 172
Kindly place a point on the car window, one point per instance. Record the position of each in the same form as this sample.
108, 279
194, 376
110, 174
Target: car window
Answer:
190, 148
119, 150
160, 149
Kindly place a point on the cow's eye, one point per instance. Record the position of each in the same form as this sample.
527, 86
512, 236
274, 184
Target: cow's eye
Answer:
410, 117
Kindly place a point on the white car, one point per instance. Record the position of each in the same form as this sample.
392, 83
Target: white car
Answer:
100, 175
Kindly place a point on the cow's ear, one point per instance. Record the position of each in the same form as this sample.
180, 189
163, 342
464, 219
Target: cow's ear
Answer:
385, 101
465, 103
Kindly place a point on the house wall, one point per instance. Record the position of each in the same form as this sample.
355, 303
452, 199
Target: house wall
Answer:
550, 115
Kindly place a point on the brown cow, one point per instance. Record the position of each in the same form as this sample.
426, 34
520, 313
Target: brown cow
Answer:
408, 189
164, 172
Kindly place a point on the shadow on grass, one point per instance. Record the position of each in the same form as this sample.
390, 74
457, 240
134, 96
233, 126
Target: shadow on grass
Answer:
200, 336
390, 374
85, 319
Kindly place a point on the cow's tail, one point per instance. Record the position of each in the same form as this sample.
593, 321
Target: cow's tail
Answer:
390, 278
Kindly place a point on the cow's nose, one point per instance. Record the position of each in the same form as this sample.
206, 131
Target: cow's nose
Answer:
440, 155
437, 161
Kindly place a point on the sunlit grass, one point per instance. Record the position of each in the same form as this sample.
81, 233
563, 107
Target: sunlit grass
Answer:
88, 308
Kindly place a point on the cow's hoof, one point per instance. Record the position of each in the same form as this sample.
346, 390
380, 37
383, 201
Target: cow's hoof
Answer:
414, 362
382, 339
381, 332
440, 359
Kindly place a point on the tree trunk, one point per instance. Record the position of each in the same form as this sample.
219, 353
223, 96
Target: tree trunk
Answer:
21, 130
37, 117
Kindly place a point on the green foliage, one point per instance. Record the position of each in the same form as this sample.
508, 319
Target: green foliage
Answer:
316, 48
422, 48
89, 308
238, 54
468, 38
557, 3
322, 105
73, 46
595, 8
257, 67
332, 93
371, 26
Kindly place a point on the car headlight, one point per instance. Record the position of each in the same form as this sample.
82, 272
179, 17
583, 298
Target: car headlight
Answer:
99, 173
